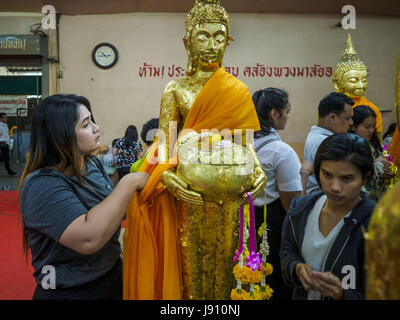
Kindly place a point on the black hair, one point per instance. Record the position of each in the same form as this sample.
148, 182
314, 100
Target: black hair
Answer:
264, 101
2, 114
149, 131
82, 100
360, 113
333, 103
53, 142
131, 135
342, 147
114, 143
391, 129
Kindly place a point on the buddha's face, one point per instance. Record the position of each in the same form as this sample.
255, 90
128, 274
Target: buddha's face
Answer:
209, 41
354, 82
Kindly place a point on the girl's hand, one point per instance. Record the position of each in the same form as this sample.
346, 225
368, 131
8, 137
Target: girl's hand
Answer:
327, 284
303, 271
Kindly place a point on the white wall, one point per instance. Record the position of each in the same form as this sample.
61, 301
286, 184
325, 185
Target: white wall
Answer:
18, 23
121, 97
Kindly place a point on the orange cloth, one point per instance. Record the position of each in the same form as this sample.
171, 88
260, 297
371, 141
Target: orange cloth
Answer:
358, 101
394, 148
151, 263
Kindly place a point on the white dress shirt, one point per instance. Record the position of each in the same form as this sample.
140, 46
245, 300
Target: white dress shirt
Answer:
4, 133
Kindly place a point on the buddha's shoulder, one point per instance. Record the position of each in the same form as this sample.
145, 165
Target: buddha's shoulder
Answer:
176, 85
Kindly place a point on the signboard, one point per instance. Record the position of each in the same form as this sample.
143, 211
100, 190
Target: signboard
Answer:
10, 104
21, 45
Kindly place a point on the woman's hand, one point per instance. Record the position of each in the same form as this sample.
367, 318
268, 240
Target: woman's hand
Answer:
135, 180
327, 284
387, 171
303, 271
179, 188
141, 179
386, 163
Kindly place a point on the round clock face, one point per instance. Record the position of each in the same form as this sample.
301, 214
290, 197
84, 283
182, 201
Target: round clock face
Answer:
105, 55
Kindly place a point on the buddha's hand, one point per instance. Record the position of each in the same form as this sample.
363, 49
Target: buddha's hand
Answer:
179, 188
258, 186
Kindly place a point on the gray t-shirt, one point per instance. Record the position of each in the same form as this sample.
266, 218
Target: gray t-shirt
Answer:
50, 202
314, 139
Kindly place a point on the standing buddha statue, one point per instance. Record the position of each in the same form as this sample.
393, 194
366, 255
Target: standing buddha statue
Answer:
382, 245
394, 148
350, 77
182, 228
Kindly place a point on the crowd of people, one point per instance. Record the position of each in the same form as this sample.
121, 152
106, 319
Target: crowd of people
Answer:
316, 209
342, 176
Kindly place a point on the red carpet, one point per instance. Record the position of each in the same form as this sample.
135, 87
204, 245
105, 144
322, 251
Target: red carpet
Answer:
16, 280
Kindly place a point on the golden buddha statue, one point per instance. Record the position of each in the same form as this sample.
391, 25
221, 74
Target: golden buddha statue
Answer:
186, 219
382, 249
394, 147
208, 230
350, 77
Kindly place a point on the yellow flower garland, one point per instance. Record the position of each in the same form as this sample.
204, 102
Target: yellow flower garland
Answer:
266, 268
247, 276
260, 293
244, 275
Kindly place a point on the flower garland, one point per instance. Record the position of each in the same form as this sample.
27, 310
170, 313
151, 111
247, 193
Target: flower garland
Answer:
251, 270
393, 167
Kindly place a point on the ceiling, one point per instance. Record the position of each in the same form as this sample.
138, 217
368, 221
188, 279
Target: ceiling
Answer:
74, 7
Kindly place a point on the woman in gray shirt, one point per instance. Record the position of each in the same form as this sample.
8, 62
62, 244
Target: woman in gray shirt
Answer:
71, 213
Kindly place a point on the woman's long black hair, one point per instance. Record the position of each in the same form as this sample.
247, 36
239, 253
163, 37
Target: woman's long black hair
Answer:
360, 113
391, 129
131, 135
53, 142
264, 101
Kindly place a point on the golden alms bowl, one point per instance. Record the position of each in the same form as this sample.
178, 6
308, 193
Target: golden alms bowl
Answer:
222, 172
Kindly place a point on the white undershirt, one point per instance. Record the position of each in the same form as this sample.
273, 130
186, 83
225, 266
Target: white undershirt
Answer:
315, 246
281, 165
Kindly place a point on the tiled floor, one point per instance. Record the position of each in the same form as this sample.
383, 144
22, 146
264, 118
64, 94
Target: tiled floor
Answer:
10, 182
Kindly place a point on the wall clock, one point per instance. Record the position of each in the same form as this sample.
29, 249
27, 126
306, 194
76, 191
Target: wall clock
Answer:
105, 55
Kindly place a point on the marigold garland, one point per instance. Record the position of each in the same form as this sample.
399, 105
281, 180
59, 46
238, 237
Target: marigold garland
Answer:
260, 293
266, 268
250, 270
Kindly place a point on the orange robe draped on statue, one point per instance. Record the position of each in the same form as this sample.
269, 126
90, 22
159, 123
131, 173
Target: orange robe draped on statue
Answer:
394, 148
151, 261
358, 101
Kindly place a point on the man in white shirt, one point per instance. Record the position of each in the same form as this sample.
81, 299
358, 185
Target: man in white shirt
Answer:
335, 115
4, 143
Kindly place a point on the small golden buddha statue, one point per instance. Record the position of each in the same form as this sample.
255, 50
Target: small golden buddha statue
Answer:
382, 258
350, 77
209, 220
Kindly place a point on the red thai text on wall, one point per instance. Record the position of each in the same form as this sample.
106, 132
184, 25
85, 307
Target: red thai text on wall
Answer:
257, 71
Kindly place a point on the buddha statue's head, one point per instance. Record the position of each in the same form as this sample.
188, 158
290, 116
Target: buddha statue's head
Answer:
207, 35
350, 74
